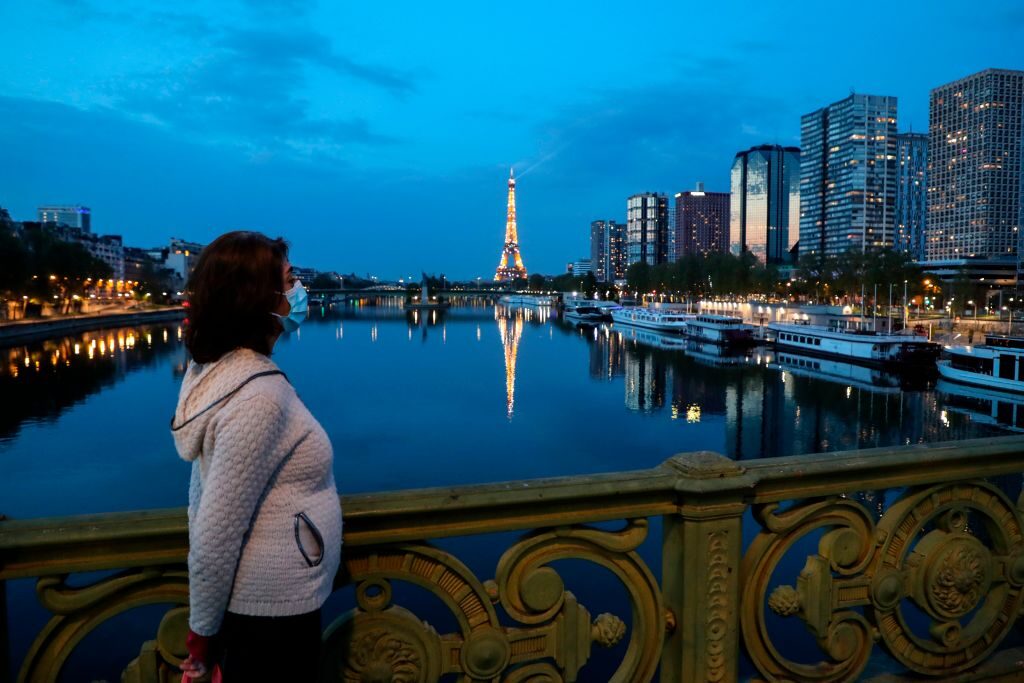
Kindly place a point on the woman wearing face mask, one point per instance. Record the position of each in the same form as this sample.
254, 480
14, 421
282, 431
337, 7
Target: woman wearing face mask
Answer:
264, 516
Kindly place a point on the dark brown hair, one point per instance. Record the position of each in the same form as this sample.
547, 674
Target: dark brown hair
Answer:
234, 288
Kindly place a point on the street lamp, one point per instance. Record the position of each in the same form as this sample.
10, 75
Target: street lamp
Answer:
971, 303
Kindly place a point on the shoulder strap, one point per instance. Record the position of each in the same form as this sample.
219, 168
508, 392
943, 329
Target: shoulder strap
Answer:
228, 395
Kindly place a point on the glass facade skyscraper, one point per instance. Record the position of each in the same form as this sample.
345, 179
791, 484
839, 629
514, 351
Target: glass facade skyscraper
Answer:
848, 175
608, 250
764, 202
701, 222
974, 167
911, 192
647, 229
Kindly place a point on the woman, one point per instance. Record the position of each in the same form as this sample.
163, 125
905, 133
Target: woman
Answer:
264, 516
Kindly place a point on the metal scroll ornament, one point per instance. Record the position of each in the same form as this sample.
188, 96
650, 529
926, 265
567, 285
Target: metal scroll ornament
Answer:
938, 582
382, 641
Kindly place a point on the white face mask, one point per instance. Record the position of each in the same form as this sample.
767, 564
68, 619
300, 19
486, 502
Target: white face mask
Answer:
298, 302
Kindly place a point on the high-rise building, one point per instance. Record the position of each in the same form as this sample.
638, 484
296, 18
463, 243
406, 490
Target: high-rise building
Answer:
911, 191
701, 222
674, 251
582, 266
764, 202
848, 175
647, 228
608, 250
974, 169
511, 267
72, 216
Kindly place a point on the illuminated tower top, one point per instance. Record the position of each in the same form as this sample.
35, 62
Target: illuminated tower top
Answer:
511, 265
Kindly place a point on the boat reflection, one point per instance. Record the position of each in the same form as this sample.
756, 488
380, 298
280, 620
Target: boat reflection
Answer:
769, 404
984, 406
860, 376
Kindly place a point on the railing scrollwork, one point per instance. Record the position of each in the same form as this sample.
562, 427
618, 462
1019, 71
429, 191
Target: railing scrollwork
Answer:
949, 555
935, 578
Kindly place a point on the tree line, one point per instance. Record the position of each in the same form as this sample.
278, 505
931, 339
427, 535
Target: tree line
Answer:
39, 265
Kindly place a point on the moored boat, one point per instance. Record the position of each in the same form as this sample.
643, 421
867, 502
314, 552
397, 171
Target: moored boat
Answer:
527, 299
996, 364
719, 329
583, 314
854, 345
652, 318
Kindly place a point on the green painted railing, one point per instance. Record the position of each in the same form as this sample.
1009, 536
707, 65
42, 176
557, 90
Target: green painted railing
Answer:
936, 579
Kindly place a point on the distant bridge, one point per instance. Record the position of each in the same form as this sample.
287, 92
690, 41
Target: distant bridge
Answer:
347, 294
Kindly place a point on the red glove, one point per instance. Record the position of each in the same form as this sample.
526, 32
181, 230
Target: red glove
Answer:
201, 659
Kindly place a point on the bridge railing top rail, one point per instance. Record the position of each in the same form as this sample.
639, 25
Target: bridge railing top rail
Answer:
102, 541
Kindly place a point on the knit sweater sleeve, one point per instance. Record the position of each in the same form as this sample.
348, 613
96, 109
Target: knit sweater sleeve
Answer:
248, 449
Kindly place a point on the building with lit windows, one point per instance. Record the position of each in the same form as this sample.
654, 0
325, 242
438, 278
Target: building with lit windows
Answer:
582, 267
764, 202
974, 173
848, 175
911, 192
647, 229
182, 257
608, 250
71, 216
701, 222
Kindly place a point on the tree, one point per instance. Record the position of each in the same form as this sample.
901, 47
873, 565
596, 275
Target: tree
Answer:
324, 281
13, 263
638, 277
537, 282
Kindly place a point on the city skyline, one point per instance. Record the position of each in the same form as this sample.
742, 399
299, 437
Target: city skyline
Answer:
208, 119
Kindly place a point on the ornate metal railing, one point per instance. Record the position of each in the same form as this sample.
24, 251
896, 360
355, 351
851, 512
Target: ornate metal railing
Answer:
934, 578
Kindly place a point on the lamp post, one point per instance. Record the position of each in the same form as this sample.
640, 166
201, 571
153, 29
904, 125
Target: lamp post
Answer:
888, 311
906, 307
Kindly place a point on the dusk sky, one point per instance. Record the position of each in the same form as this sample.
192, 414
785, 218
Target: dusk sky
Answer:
377, 136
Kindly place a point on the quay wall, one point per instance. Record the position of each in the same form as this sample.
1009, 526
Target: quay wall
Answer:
31, 330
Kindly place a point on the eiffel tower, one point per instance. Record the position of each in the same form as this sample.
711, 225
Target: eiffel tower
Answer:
511, 266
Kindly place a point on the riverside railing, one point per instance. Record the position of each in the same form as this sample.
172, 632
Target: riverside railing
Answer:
935, 578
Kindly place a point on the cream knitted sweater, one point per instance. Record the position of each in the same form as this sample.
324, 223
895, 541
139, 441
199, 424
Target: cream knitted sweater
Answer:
263, 511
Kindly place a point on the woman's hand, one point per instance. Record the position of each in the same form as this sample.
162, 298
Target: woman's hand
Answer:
195, 669
199, 663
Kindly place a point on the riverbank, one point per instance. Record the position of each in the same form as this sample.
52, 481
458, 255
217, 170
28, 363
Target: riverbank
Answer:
19, 331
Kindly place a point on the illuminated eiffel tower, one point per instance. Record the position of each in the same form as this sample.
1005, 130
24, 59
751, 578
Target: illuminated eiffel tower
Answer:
511, 266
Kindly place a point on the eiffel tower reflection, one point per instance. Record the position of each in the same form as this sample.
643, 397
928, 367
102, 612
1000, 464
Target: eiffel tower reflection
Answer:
510, 328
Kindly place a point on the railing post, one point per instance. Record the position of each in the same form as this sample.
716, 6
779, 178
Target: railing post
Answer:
701, 551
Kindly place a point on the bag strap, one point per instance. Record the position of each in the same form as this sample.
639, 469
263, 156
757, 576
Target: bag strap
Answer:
228, 395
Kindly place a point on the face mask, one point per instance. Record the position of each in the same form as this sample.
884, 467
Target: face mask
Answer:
296, 297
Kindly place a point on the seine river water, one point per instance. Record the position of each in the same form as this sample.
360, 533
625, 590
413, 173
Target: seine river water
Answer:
474, 394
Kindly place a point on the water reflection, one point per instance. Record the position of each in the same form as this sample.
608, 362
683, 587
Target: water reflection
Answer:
510, 330
782, 404
40, 380
983, 406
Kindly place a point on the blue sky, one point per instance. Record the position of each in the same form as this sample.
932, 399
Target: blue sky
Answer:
377, 136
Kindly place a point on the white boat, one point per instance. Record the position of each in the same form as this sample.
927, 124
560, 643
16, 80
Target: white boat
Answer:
854, 345
996, 364
719, 329
605, 308
527, 299
583, 314
652, 318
